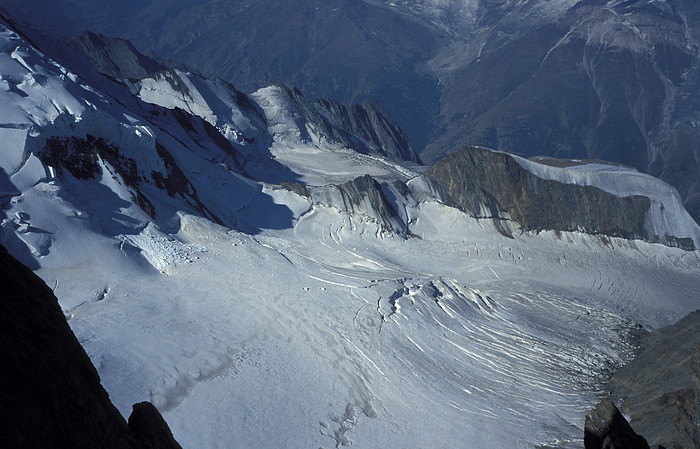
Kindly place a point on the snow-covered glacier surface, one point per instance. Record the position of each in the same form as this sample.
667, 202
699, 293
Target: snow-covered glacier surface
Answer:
326, 334
317, 327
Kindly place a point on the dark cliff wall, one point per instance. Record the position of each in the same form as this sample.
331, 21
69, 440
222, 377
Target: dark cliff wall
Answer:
366, 128
115, 57
363, 195
475, 176
660, 388
374, 125
50, 394
606, 428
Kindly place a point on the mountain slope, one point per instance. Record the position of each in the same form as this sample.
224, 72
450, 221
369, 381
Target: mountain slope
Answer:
613, 80
664, 412
218, 255
609, 80
589, 198
115, 57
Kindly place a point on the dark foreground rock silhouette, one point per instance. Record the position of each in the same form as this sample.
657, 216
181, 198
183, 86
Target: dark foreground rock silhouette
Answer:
50, 393
606, 428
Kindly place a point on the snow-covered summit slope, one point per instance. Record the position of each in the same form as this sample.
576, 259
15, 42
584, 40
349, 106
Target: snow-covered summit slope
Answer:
67, 141
215, 101
352, 306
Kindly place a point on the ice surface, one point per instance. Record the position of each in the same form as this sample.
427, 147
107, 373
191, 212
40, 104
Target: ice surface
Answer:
296, 323
329, 334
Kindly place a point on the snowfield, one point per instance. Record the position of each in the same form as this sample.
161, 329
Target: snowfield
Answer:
255, 316
326, 334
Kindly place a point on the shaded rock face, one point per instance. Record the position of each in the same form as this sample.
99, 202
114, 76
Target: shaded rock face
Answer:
606, 428
115, 57
660, 388
614, 80
51, 393
80, 157
148, 424
363, 195
371, 122
489, 184
366, 128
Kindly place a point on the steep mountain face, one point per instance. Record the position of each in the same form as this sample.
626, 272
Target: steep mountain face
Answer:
344, 50
52, 395
659, 389
606, 428
615, 80
609, 80
228, 258
364, 196
497, 185
115, 57
311, 45
367, 128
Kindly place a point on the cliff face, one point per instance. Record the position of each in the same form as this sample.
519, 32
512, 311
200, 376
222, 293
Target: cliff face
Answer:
490, 184
660, 388
364, 196
379, 132
606, 428
366, 128
115, 57
51, 393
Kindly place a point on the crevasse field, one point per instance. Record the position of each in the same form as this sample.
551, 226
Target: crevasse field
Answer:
297, 323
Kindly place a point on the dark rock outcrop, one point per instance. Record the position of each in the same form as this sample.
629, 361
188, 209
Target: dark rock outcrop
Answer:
490, 184
116, 57
372, 123
80, 157
363, 195
660, 388
606, 428
366, 128
148, 424
51, 393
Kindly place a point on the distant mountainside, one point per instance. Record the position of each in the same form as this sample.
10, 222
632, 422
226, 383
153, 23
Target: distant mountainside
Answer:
248, 262
610, 80
117, 57
615, 80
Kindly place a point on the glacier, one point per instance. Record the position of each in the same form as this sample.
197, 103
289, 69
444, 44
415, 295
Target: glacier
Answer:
255, 313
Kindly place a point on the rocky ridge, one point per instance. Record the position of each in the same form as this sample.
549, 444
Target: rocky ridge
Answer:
658, 390
606, 428
494, 185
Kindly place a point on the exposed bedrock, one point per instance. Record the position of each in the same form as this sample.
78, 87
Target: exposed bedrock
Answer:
606, 428
51, 392
491, 184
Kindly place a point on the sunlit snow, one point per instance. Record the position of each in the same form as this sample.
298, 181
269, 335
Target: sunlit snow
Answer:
297, 324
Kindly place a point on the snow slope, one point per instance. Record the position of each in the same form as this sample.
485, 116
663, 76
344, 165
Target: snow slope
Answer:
256, 315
